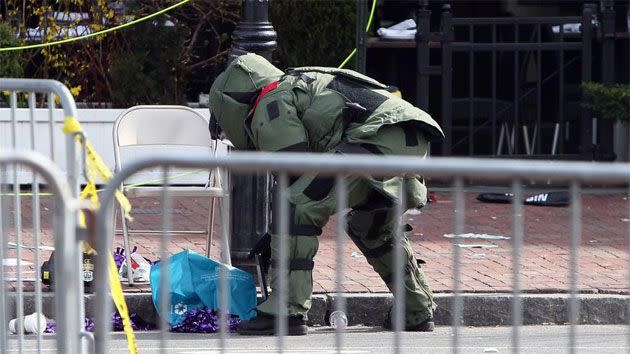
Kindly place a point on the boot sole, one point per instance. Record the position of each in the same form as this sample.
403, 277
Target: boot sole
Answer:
300, 330
426, 327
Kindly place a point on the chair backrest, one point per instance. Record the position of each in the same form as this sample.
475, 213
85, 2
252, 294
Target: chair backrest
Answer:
141, 131
161, 125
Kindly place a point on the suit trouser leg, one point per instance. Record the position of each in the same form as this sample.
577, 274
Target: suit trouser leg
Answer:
372, 231
312, 201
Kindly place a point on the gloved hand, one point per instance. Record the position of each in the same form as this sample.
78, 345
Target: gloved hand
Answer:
263, 249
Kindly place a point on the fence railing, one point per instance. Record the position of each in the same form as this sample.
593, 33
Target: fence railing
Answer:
505, 79
63, 188
27, 90
68, 309
573, 174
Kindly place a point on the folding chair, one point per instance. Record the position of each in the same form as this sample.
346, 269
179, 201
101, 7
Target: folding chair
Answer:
140, 131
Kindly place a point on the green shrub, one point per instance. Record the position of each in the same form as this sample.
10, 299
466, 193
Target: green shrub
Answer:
146, 69
318, 33
11, 63
609, 101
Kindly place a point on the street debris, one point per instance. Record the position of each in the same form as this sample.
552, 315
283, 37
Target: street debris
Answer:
478, 236
356, 254
558, 198
476, 246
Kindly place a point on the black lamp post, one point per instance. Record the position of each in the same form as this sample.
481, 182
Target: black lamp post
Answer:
254, 33
250, 208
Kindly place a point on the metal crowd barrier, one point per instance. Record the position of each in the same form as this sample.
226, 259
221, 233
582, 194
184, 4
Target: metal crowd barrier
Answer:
67, 314
63, 187
283, 164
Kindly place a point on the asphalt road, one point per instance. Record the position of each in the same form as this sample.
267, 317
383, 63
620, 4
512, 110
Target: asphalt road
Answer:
534, 339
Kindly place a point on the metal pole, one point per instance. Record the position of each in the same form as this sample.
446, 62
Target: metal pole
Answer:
361, 45
608, 70
250, 194
254, 33
423, 18
586, 147
447, 81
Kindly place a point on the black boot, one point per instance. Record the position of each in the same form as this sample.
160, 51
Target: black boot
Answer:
265, 324
425, 326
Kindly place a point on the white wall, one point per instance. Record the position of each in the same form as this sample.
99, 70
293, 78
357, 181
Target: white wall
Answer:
97, 123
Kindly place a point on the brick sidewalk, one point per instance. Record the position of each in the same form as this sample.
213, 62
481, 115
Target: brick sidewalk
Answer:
603, 256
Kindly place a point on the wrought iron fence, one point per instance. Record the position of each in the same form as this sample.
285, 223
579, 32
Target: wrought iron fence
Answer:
511, 84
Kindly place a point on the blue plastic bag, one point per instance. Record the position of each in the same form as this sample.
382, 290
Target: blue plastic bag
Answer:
194, 283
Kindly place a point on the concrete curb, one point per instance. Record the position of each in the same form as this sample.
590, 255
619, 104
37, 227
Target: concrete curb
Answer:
371, 309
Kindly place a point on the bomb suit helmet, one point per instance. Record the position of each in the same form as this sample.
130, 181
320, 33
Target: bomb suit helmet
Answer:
233, 93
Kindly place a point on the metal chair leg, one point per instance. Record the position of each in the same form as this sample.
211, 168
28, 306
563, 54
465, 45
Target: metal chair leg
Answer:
127, 248
210, 226
526, 138
511, 139
501, 137
554, 145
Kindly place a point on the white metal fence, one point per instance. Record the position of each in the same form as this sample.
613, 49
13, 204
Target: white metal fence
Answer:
573, 174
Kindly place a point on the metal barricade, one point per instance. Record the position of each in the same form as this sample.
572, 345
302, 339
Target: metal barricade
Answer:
26, 95
574, 174
66, 314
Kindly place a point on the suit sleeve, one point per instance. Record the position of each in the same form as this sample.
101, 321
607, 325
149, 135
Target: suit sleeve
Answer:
276, 125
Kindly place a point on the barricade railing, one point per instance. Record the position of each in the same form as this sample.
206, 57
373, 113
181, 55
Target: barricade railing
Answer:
29, 94
51, 90
67, 314
573, 174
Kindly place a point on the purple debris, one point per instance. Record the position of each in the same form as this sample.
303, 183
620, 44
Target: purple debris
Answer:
137, 323
204, 321
51, 327
119, 257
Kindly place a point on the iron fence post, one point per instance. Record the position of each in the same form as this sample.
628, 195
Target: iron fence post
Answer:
586, 145
447, 81
361, 56
250, 194
423, 19
607, 37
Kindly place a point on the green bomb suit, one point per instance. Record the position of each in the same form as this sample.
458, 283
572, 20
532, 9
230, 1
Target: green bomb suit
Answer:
326, 110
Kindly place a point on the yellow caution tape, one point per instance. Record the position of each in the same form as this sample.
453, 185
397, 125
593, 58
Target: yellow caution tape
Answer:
121, 305
95, 167
98, 33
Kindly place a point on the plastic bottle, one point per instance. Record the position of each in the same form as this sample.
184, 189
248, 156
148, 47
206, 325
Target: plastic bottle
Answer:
29, 323
338, 319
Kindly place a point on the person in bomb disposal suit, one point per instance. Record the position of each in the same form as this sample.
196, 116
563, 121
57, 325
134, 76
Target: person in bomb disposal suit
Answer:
327, 110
